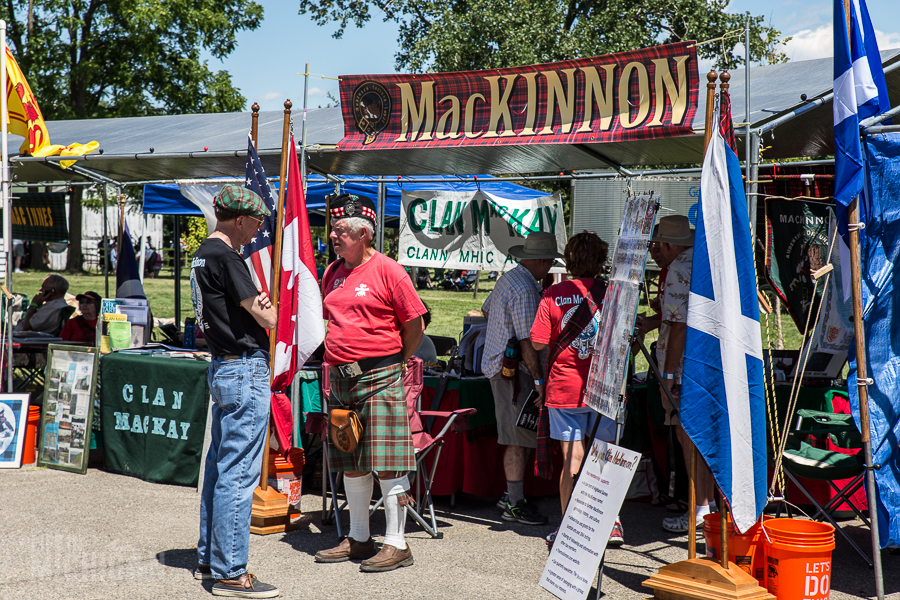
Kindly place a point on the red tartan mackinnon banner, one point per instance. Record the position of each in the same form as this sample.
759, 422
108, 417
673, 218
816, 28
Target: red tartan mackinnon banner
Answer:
641, 94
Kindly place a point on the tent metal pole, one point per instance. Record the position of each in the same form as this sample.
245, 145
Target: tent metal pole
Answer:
177, 273
105, 241
866, 123
6, 199
752, 178
142, 259
303, 131
747, 114
379, 233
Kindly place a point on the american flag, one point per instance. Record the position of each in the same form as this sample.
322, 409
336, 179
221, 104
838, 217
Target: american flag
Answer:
258, 253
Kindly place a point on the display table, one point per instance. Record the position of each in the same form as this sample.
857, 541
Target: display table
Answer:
472, 461
154, 416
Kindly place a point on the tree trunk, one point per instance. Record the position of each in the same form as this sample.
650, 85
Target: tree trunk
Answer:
38, 251
74, 261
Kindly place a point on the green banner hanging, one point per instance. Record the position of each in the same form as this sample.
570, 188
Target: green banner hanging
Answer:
796, 247
40, 217
154, 416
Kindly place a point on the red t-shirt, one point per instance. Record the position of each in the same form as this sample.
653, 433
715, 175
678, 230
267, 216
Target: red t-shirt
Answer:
568, 375
79, 329
365, 307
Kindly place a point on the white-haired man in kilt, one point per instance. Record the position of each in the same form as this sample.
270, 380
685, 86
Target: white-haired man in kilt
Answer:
375, 325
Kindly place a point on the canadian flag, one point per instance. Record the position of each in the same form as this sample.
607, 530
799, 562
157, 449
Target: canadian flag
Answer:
300, 325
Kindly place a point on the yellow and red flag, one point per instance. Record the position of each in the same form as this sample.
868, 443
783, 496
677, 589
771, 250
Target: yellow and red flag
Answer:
25, 118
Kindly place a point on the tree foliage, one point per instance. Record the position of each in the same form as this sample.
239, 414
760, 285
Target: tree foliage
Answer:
457, 35
124, 58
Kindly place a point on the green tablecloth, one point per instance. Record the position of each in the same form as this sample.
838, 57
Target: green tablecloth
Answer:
154, 416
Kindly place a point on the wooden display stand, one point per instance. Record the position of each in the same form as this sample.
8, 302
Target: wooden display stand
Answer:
272, 513
704, 579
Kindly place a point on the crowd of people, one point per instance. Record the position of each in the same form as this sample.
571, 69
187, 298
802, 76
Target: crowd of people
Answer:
370, 301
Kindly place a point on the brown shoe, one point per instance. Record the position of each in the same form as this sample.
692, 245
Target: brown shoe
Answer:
388, 559
245, 586
347, 549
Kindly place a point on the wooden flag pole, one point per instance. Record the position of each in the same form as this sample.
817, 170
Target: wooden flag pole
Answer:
724, 529
271, 512
701, 577
861, 378
254, 126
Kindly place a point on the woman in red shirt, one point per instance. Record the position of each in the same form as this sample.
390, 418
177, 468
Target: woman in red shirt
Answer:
83, 327
570, 419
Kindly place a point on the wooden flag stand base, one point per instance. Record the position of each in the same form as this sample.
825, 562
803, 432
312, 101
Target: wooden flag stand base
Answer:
272, 514
704, 579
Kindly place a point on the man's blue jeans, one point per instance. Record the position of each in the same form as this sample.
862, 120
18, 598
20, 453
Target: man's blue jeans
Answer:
240, 416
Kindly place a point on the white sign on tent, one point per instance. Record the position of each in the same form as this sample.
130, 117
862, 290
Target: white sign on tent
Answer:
473, 230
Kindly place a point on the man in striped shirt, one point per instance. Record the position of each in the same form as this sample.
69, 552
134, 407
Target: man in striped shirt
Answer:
510, 311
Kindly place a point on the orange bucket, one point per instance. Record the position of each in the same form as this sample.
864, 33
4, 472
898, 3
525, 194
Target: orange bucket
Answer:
744, 549
798, 559
31, 428
286, 476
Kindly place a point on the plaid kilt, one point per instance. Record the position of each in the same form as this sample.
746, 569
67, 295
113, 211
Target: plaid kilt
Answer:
386, 443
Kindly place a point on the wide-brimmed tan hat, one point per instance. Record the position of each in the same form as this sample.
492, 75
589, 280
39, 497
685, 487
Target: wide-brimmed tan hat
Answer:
538, 245
675, 229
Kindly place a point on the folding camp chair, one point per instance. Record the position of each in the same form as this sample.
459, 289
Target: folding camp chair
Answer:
427, 449
821, 448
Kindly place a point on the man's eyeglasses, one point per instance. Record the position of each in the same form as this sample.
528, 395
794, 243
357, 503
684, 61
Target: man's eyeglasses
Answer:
259, 222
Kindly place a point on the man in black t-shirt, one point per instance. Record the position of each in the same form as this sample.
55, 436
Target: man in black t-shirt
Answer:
234, 315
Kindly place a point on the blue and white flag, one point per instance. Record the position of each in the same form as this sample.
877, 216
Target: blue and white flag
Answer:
860, 92
258, 253
128, 276
722, 406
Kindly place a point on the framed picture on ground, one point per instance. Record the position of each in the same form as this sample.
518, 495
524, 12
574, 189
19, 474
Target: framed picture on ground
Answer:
13, 420
68, 407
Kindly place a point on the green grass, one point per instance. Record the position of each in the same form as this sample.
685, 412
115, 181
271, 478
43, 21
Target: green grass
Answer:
160, 292
447, 308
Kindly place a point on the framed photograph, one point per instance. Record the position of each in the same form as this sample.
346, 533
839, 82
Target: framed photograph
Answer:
13, 419
68, 407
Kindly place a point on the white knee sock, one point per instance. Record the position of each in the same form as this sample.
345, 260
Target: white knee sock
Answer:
394, 514
359, 496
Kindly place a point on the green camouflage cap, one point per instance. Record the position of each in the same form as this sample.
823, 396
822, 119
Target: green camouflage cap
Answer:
241, 200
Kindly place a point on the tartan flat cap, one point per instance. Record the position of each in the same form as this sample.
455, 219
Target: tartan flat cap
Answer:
241, 200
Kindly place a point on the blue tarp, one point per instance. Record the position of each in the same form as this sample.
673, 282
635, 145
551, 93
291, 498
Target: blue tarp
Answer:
881, 301
166, 198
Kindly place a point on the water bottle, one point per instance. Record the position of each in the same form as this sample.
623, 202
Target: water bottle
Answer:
190, 334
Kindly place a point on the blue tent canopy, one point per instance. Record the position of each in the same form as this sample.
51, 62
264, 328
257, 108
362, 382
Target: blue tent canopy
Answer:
166, 199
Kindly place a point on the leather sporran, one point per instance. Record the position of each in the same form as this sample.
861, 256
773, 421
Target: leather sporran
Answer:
345, 429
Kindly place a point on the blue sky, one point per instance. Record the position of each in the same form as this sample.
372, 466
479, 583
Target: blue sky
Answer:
267, 61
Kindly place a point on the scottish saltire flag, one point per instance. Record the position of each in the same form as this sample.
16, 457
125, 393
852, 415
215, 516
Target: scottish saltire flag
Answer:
258, 253
300, 325
722, 383
860, 91
128, 275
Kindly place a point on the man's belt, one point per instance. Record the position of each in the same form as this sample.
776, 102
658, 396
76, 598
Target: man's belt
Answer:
248, 354
355, 369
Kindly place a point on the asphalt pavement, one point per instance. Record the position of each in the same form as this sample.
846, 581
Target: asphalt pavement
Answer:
107, 536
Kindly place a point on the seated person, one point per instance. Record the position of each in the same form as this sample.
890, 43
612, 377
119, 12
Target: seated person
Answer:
44, 313
83, 328
426, 350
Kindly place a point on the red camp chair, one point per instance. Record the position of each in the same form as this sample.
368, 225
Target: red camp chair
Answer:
427, 448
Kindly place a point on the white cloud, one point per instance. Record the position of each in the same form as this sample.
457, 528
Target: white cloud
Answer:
317, 92
269, 96
808, 44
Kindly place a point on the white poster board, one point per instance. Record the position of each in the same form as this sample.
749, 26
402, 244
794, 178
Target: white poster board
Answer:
589, 519
612, 344
473, 230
